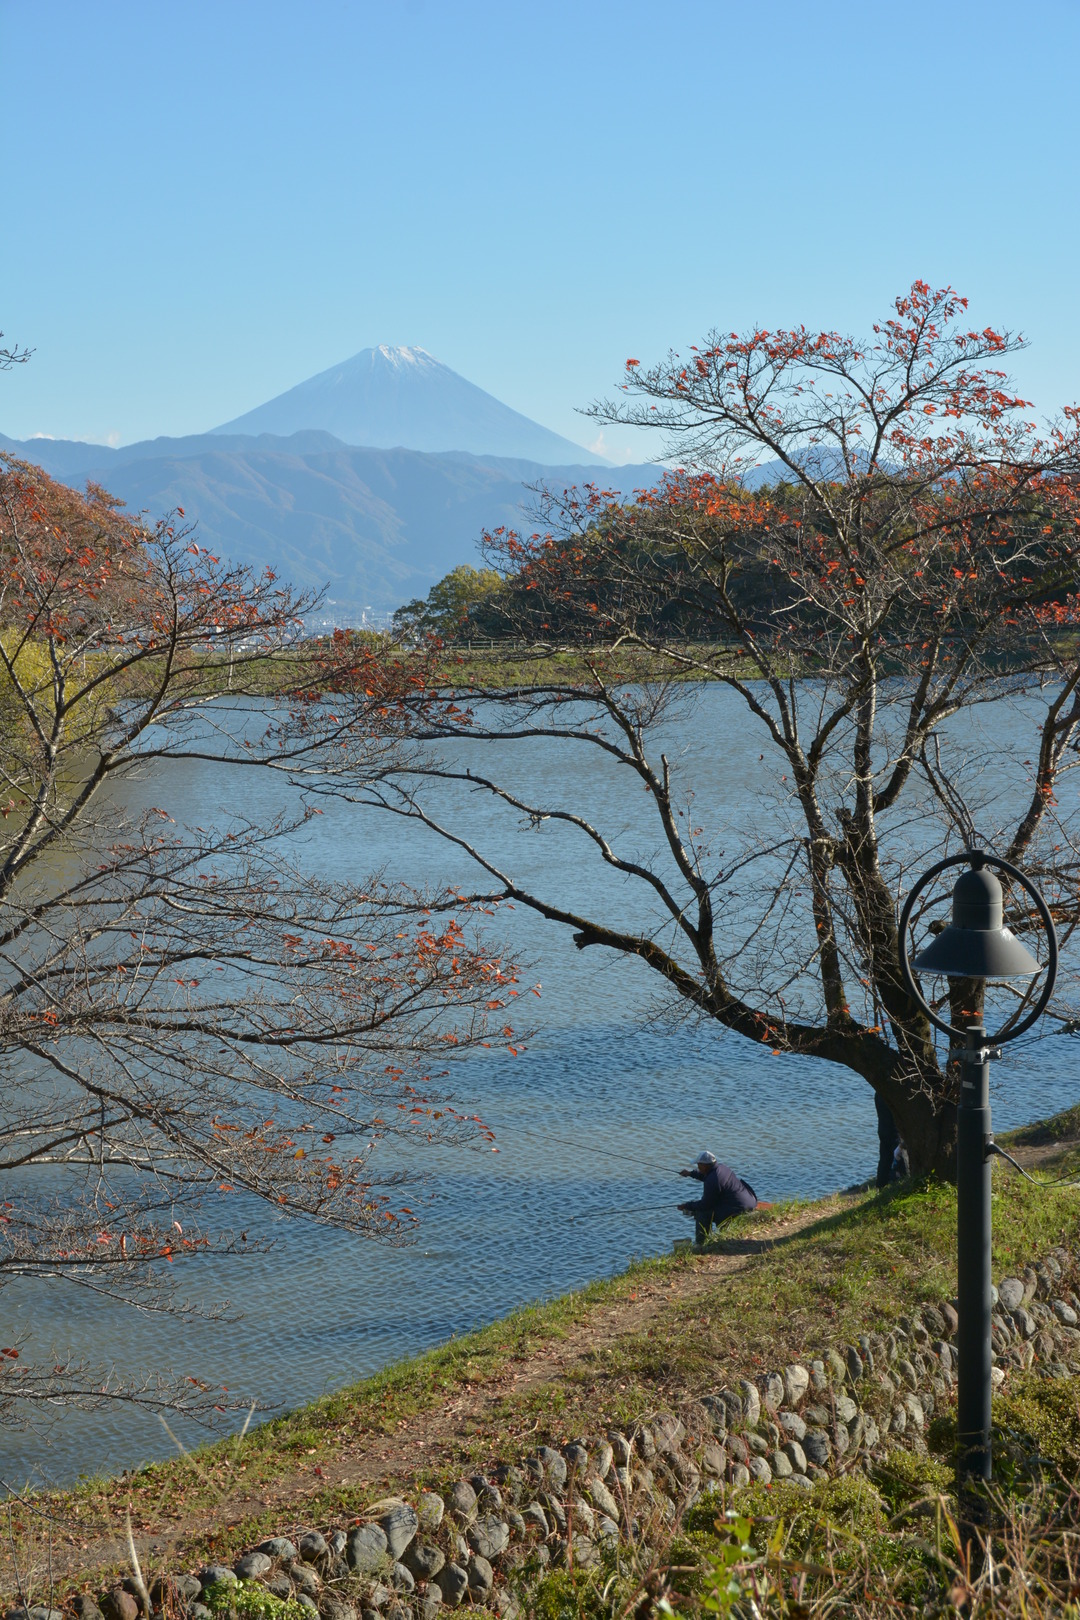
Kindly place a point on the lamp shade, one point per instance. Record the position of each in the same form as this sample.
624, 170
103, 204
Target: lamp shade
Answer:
976, 944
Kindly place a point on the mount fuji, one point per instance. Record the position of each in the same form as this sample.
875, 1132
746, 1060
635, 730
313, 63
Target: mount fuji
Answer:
387, 397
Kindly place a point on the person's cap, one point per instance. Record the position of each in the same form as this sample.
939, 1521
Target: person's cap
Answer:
706, 1157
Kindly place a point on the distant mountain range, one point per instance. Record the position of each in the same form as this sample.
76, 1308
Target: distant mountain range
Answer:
373, 479
375, 527
388, 396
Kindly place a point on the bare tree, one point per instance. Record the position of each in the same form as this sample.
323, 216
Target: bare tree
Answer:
913, 556
186, 1014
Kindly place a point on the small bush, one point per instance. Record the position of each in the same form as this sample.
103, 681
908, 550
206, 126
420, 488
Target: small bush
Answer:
247, 1600
905, 1476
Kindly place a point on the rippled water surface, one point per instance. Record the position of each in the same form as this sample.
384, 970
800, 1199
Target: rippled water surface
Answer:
592, 1123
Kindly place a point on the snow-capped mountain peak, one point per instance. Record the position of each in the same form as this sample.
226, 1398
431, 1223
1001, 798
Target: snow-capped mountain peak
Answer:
402, 396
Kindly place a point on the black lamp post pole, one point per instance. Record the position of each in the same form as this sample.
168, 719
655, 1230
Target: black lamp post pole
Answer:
976, 946
973, 1257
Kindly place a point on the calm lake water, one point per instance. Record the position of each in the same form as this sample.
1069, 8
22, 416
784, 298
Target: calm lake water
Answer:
592, 1121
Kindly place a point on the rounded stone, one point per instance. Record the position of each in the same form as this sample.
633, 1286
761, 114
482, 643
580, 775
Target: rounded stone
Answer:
462, 1498
311, 1546
621, 1449
751, 1401
644, 1443
212, 1575
511, 1479
1064, 1313
773, 1391
453, 1583
835, 1367
554, 1467
586, 1552
480, 1575
908, 1373
781, 1464
759, 1470
535, 1517
796, 1456
399, 1525
489, 1536
305, 1579
932, 1320
584, 1520
948, 1315
816, 1446
740, 1476
278, 1547
713, 1460
845, 1408
796, 1383
668, 1431
253, 1566
577, 1457
717, 1413
118, 1604
401, 1578
366, 1549
792, 1425
423, 1559
803, 1481
429, 1510
602, 1498
1011, 1293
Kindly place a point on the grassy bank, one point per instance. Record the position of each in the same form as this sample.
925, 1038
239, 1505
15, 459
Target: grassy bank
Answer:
777, 1286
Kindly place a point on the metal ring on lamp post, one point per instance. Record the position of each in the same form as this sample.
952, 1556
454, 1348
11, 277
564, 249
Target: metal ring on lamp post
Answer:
1051, 937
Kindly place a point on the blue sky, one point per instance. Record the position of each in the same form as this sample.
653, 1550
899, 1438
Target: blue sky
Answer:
206, 203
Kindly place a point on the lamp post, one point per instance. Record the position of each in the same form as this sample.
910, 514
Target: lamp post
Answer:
976, 945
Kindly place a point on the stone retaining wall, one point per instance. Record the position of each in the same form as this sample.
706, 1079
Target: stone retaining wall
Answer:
838, 1413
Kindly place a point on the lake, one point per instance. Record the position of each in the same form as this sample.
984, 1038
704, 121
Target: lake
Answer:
592, 1121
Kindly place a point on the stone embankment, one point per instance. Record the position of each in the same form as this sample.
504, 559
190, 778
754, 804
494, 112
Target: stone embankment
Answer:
590, 1499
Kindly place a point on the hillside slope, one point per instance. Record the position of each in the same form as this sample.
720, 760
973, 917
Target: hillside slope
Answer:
375, 527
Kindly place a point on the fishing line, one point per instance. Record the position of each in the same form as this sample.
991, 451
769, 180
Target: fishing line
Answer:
601, 1214
606, 1153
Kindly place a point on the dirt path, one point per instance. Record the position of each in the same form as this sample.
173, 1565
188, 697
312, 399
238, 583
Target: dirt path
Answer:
441, 1438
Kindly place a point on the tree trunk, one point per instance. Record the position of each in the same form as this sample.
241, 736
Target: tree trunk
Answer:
928, 1129
926, 1124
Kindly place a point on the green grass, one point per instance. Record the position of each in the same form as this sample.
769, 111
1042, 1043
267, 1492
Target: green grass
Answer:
863, 1261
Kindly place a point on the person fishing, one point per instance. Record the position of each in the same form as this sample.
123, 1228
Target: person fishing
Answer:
723, 1194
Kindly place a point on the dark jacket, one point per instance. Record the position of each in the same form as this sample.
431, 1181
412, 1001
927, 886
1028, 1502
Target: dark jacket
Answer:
723, 1193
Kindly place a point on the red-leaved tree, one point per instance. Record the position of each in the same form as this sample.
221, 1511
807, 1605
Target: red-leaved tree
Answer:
864, 540
185, 1014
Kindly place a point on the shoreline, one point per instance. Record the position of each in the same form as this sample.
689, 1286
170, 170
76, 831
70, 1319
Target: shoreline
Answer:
776, 1281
